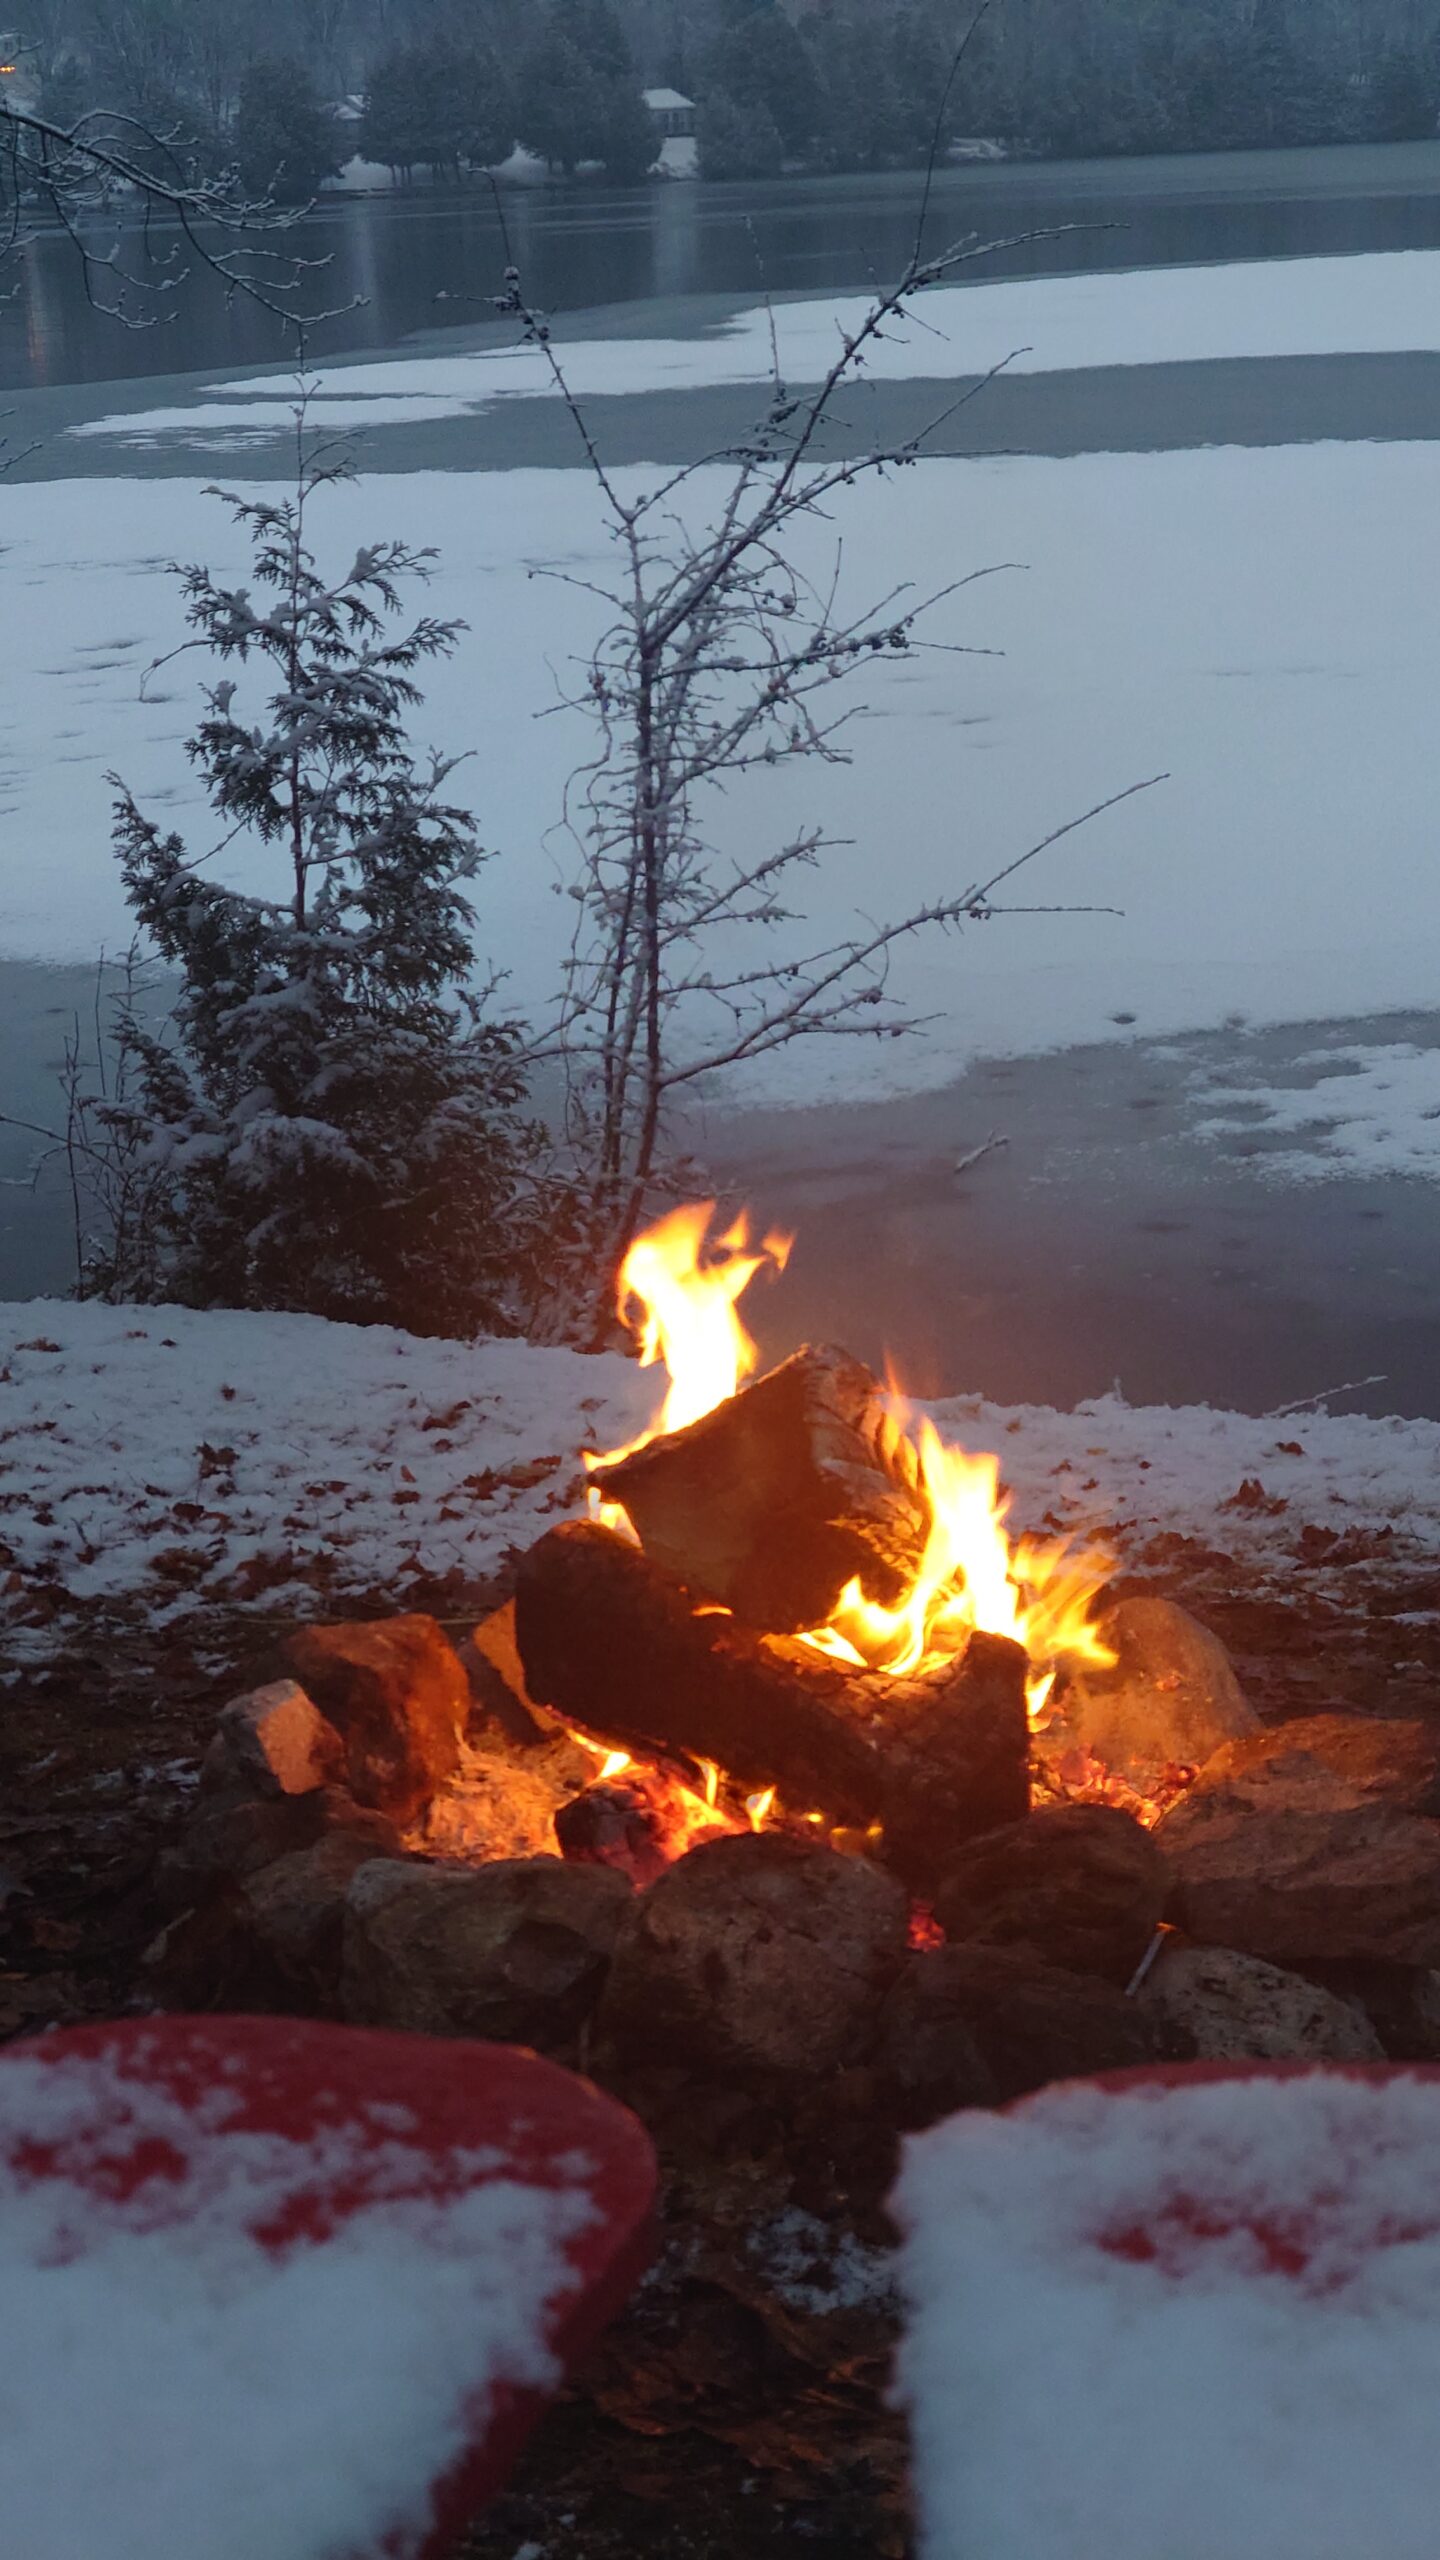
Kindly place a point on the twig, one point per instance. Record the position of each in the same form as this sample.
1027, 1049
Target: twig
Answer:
1309, 1404
977, 1155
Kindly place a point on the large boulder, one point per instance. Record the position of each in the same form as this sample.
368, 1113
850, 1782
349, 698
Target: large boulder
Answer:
1171, 1699
982, 2025
516, 1950
1237, 2009
757, 1956
1288, 1863
1083, 1886
295, 1911
1391, 1760
397, 1693
232, 1835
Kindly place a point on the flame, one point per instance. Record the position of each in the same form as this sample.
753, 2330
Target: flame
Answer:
972, 1577
679, 1289
677, 1292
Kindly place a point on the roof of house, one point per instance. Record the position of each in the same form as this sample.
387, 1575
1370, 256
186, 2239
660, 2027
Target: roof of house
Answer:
662, 101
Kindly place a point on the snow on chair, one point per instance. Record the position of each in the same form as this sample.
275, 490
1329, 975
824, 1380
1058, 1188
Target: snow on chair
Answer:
1179, 2315
277, 2288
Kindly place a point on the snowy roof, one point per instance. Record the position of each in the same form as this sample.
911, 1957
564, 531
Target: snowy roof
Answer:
663, 102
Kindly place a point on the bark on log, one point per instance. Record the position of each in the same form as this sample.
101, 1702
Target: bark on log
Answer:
781, 1496
609, 1639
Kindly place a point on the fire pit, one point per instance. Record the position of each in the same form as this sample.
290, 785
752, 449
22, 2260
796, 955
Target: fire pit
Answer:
790, 1759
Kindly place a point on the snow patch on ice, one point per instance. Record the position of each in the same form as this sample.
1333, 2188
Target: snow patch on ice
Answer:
1378, 1111
1379, 304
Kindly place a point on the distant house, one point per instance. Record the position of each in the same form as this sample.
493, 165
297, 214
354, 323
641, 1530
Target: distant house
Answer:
673, 117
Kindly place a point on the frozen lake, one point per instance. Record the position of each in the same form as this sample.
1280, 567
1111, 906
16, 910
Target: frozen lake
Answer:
1224, 484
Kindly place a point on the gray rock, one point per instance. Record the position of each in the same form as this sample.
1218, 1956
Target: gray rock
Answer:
516, 1950
1288, 1863
1238, 2009
1171, 1699
295, 1908
1391, 1760
1084, 1886
1027, 2022
759, 1957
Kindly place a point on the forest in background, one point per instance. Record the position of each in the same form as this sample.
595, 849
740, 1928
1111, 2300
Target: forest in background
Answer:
780, 84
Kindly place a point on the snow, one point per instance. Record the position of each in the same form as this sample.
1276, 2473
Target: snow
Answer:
194, 1457
204, 2395
256, 422
1385, 303
1259, 624
1073, 2398
1378, 1111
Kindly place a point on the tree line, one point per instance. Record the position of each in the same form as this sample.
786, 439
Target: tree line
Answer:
449, 86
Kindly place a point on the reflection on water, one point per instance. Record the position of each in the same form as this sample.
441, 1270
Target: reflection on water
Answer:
581, 248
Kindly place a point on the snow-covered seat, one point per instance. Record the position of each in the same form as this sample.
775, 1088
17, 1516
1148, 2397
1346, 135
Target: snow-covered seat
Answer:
1186, 2315
277, 2288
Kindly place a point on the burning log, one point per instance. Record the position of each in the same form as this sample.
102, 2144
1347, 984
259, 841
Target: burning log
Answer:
785, 1493
612, 1641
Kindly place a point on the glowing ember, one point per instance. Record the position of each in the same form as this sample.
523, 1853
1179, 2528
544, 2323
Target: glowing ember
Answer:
676, 1814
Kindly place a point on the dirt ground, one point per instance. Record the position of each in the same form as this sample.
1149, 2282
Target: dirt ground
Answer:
727, 2414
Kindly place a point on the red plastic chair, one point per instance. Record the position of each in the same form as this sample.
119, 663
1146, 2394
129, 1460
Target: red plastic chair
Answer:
1284, 2250
1254, 2244
302, 2080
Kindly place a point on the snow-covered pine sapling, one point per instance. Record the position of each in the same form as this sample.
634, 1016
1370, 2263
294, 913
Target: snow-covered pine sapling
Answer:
332, 1121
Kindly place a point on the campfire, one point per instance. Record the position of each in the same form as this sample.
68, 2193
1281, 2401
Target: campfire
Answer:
793, 1603
788, 1697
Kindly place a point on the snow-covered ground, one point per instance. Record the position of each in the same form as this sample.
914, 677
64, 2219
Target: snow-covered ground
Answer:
1261, 625
1372, 305
193, 1457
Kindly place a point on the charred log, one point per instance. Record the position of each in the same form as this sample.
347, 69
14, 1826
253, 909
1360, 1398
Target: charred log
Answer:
783, 1495
612, 1641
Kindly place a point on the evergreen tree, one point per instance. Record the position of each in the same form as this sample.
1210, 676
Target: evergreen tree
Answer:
560, 108
626, 140
759, 60
331, 1125
285, 143
734, 141
863, 115
428, 107
595, 31
1404, 101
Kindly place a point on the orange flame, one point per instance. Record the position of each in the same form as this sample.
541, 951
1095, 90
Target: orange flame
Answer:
1036, 1591
687, 1287
972, 1575
677, 1292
